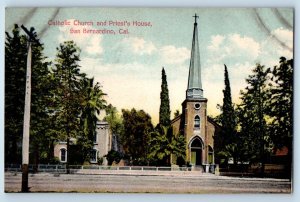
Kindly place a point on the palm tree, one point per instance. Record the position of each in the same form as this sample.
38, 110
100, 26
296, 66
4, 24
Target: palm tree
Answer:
164, 144
92, 101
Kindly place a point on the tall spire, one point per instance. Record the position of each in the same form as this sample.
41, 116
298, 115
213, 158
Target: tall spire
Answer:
194, 89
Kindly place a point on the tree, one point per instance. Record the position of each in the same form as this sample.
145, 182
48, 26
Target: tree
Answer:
92, 101
113, 156
281, 104
253, 115
15, 68
176, 113
136, 135
164, 144
63, 101
15, 75
226, 142
116, 125
280, 109
68, 82
228, 118
160, 143
164, 110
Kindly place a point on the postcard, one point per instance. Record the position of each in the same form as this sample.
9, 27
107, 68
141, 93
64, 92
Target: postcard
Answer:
149, 100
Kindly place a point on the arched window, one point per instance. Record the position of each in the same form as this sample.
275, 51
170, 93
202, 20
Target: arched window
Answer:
93, 156
63, 155
197, 122
196, 143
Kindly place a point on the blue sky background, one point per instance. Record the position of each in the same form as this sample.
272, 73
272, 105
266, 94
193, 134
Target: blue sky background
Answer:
129, 66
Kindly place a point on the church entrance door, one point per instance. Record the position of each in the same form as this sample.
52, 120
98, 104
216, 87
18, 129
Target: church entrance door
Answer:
196, 152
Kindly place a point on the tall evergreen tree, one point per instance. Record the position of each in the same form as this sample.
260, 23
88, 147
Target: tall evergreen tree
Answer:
67, 91
252, 114
40, 97
15, 76
164, 110
15, 69
228, 118
281, 109
226, 142
281, 104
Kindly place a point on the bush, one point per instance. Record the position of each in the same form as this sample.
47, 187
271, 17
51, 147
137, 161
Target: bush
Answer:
113, 156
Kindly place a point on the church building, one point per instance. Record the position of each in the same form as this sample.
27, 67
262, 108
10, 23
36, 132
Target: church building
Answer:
198, 129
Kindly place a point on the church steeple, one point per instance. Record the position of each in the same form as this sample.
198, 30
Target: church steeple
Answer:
194, 89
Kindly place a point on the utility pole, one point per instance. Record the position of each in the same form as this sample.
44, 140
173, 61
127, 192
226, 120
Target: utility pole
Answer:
26, 125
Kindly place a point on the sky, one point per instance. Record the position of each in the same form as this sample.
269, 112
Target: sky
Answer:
128, 66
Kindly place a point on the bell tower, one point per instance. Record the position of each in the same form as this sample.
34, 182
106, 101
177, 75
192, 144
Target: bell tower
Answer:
194, 107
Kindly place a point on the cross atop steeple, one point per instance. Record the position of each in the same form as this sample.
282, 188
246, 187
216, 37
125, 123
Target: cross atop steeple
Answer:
194, 89
196, 16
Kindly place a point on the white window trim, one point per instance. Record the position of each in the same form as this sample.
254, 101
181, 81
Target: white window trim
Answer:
197, 108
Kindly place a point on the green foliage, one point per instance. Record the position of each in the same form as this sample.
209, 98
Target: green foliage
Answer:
113, 156
178, 149
77, 100
176, 113
228, 118
116, 125
63, 100
252, 115
136, 135
264, 115
280, 104
114, 119
15, 72
67, 91
225, 143
92, 101
164, 110
100, 160
163, 144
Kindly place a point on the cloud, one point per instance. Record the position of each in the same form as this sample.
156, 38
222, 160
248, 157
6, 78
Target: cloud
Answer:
245, 44
216, 41
284, 35
139, 45
272, 50
90, 44
239, 53
233, 46
172, 55
94, 46
143, 51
